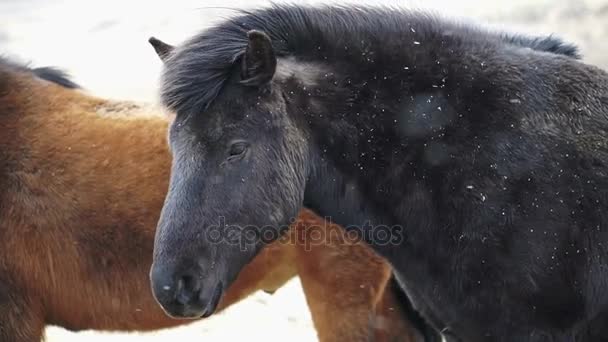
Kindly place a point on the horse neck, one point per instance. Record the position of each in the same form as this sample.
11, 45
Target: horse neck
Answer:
374, 126
346, 136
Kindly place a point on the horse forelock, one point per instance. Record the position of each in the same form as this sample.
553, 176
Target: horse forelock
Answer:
196, 72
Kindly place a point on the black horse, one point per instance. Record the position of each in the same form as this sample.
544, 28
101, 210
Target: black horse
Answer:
474, 161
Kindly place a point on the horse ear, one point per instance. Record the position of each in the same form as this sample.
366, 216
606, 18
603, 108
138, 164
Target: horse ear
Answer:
162, 49
259, 62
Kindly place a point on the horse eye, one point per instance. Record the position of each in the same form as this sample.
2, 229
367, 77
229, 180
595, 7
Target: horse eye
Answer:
238, 148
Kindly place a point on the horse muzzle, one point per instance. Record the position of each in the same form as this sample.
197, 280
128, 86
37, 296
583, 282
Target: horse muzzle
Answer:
186, 294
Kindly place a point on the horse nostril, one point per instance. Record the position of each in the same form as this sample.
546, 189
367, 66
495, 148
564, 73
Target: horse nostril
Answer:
187, 290
179, 287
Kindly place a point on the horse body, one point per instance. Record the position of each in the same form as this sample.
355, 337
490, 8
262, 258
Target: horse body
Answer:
73, 247
484, 158
81, 193
494, 167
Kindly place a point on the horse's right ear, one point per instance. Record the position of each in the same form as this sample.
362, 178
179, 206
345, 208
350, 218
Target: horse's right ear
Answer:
259, 62
162, 49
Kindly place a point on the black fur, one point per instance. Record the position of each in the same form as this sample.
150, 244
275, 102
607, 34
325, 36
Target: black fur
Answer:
56, 76
485, 156
428, 333
51, 74
550, 44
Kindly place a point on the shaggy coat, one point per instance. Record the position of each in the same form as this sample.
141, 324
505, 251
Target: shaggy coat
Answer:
474, 162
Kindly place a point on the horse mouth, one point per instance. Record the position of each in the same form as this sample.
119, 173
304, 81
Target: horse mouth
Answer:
214, 300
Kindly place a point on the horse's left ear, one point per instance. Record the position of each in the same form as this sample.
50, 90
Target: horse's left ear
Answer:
162, 49
259, 62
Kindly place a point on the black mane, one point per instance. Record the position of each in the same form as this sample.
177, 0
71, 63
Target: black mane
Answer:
549, 44
51, 74
196, 72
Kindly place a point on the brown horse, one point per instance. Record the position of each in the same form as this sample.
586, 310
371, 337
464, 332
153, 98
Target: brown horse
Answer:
81, 189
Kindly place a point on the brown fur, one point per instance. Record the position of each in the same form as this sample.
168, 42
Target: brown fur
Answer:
340, 291
80, 196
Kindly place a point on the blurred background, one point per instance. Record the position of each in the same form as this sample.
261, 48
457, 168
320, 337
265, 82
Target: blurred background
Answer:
103, 45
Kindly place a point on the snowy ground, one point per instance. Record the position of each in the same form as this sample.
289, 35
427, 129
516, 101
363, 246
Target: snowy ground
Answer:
103, 44
262, 317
